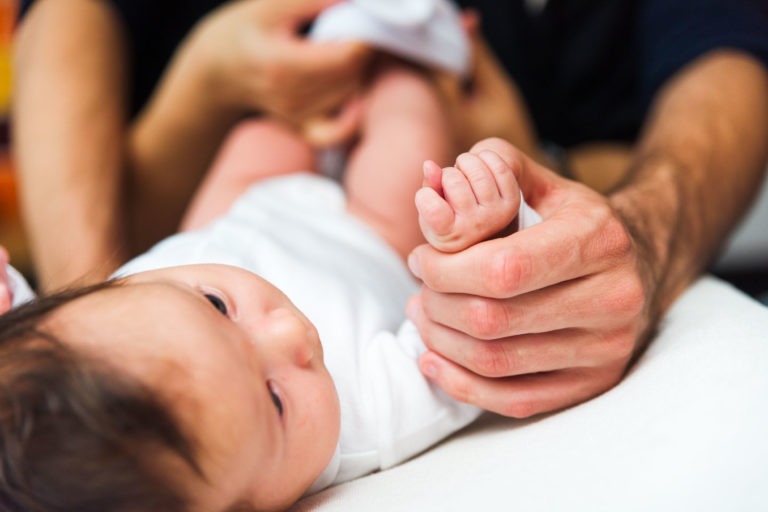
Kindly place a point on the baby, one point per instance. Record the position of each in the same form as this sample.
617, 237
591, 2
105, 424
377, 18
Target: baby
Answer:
193, 382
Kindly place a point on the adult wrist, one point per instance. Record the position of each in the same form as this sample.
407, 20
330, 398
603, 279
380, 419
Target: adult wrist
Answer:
651, 205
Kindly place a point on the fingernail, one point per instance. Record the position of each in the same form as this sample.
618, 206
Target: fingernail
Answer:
413, 264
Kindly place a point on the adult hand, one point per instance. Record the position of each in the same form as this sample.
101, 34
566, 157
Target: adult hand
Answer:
256, 60
245, 57
541, 319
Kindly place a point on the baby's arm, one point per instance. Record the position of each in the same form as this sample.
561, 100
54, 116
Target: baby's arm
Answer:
470, 202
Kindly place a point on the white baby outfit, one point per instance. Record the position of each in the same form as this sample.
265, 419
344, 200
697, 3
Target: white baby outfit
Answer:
428, 32
295, 232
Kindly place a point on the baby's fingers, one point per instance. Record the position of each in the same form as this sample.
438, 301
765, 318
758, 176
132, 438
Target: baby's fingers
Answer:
480, 178
502, 173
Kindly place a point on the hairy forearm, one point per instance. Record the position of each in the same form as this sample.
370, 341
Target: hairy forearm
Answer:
696, 168
68, 133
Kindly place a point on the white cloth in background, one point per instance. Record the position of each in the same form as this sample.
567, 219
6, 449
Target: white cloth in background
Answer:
295, 232
428, 32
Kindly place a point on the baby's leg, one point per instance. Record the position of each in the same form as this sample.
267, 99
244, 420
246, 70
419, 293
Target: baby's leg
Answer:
254, 150
462, 205
404, 124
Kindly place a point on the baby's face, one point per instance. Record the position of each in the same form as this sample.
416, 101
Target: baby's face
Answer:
242, 366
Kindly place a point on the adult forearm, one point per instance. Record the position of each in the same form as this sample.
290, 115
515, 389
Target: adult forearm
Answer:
67, 118
244, 57
696, 169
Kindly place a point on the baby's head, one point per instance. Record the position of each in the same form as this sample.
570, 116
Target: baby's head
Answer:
188, 388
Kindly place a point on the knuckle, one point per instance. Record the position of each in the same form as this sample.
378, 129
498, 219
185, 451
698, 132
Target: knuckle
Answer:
626, 299
616, 239
633, 296
485, 319
505, 273
621, 344
492, 360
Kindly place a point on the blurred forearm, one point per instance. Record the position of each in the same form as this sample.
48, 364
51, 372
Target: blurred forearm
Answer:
68, 118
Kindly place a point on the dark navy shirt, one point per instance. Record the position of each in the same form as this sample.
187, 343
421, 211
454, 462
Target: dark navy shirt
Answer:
587, 68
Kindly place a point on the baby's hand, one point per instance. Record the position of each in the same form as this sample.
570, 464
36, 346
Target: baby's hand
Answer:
6, 299
462, 205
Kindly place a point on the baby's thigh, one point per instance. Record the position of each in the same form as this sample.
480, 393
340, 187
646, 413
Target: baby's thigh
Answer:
254, 150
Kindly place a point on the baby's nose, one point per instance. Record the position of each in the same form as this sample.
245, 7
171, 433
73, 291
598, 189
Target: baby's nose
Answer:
293, 337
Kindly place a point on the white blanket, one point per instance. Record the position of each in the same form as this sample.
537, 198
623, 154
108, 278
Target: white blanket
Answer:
686, 430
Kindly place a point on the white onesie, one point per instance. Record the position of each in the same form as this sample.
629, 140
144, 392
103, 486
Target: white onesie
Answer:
295, 232
429, 32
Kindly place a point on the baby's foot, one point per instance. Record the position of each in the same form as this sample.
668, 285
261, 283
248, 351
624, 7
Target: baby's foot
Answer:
462, 205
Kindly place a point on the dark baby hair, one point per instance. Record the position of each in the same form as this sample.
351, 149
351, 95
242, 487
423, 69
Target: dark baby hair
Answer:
75, 434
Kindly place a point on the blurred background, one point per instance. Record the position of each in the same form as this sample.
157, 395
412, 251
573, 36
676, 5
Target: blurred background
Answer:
11, 235
744, 262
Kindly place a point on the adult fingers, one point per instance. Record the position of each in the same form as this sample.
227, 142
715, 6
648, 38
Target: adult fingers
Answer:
329, 61
522, 396
592, 302
525, 353
322, 77
578, 238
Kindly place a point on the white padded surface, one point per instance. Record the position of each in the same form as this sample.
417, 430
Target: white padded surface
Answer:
747, 249
686, 430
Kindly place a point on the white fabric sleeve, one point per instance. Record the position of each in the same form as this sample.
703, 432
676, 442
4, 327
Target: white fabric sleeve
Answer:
412, 413
20, 289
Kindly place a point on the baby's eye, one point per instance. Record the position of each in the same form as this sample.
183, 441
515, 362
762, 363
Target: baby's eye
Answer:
275, 399
217, 303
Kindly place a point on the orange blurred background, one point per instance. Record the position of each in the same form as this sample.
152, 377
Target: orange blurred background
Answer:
11, 235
